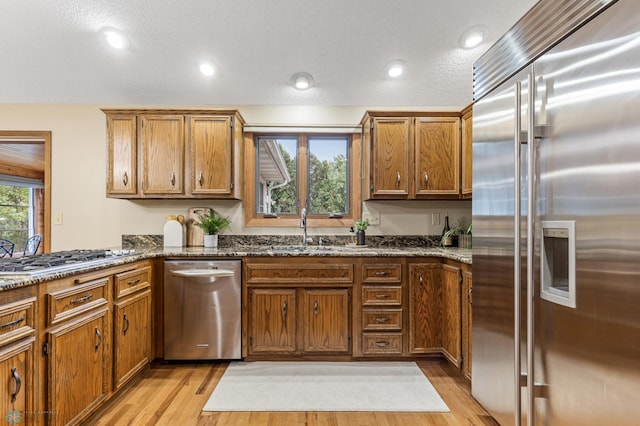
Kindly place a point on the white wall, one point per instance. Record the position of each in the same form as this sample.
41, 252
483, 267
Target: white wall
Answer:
90, 220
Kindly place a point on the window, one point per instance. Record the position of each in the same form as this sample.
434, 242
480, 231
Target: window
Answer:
287, 172
16, 214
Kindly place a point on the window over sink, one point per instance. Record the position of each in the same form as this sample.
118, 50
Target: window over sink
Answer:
288, 172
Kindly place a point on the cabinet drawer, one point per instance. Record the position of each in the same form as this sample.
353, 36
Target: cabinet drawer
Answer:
69, 302
330, 273
378, 295
381, 319
382, 273
132, 281
382, 343
17, 320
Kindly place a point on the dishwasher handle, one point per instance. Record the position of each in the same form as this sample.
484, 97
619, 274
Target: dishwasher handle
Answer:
202, 273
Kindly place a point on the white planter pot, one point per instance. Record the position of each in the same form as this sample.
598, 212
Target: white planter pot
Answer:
211, 241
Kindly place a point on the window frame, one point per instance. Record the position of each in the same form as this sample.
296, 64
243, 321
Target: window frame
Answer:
354, 153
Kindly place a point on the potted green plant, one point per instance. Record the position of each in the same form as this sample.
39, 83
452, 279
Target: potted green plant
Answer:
461, 233
360, 226
211, 223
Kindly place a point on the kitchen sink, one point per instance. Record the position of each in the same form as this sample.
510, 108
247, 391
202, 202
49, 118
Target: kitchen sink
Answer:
306, 249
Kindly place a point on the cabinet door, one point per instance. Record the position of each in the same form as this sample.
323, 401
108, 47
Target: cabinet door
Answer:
211, 156
467, 153
467, 303
424, 302
121, 150
326, 320
77, 367
162, 142
391, 149
16, 376
272, 322
437, 156
451, 283
132, 336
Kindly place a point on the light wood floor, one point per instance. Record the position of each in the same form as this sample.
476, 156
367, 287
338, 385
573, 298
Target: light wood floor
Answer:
174, 394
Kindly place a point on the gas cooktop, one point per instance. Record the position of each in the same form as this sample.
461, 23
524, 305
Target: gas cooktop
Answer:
57, 261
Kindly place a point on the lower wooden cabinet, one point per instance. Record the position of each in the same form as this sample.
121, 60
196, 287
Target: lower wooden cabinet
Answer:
77, 366
17, 356
16, 376
294, 321
450, 313
424, 308
326, 324
467, 320
95, 336
434, 310
382, 309
131, 336
272, 321
297, 307
131, 323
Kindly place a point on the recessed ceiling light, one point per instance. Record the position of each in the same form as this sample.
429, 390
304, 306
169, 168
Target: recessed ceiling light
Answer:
473, 36
396, 68
302, 80
207, 69
115, 38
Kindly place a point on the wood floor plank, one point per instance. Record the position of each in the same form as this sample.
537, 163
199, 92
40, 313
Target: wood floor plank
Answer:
174, 394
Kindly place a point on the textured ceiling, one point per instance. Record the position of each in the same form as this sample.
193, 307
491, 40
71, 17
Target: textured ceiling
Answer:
52, 52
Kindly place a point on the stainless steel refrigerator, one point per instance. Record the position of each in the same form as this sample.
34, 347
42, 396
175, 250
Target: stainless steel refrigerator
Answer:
556, 217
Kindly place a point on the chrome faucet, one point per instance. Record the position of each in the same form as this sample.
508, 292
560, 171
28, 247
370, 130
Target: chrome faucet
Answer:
303, 225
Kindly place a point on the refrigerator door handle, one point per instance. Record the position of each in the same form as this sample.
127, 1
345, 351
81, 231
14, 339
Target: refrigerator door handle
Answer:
531, 206
518, 138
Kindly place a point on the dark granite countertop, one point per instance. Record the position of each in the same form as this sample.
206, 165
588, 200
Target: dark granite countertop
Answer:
460, 255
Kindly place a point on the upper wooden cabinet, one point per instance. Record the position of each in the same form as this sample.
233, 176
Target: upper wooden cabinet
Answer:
437, 156
411, 155
467, 152
211, 158
390, 152
174, 153
122, 175
162, 146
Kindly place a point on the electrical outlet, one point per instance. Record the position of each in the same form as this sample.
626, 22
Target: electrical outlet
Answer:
374, 218
435, 218
57, 218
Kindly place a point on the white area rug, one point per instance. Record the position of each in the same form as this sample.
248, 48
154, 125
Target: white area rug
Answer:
325, 386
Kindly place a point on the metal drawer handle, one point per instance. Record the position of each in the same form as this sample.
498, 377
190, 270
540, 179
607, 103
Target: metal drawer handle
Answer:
382, 319
285, 309
18, 384
126, 325
200, 179
426, 180
81, 299
470, 296
420, 280
12, 323
203, 273
398, 181
382, 296
315, 308
381, 273
172, 179
382, 343
99, 336
125, 178
134, 282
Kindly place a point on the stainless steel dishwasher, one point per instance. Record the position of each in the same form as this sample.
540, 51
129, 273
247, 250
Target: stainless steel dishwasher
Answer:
202, 309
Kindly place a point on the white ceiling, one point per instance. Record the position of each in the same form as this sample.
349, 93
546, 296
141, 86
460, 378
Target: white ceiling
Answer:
52, 52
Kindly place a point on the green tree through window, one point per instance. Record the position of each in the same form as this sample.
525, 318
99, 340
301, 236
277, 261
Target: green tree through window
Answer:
14, 214
328, 177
